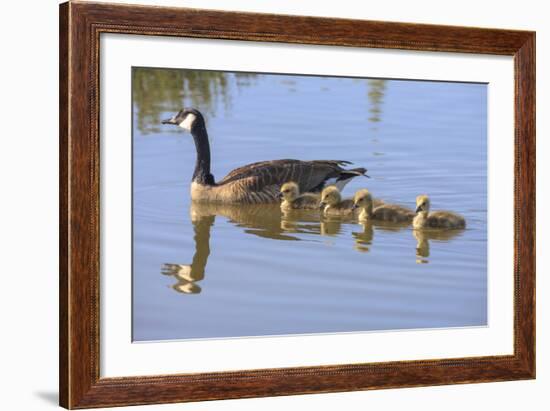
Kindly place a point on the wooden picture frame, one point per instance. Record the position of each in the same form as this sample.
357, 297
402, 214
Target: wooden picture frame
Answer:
80, 27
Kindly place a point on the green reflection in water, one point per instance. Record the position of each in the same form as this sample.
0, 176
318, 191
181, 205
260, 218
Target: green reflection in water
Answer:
377, 90
158, 90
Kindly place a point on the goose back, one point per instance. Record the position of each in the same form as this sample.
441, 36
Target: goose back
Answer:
260, 182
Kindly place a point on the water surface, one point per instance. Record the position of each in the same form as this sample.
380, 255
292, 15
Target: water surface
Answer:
213, 271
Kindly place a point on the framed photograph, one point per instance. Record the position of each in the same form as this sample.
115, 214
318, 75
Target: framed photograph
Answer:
259, 205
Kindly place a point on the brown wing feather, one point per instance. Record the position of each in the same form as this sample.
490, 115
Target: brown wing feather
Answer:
287, 168
260, 182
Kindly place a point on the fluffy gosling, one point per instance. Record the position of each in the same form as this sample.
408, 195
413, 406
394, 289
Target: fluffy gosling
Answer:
370, 210
435, 219
293, 200
332, 203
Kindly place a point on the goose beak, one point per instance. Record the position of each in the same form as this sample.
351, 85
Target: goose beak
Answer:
355, 207
171, 120
280, 195
418, 209
321, 205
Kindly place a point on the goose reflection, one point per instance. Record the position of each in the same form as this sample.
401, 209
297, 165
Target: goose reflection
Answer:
262, 220
423, 238
188, 274
265, 221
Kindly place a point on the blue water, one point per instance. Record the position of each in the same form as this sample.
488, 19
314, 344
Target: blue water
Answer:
248, 271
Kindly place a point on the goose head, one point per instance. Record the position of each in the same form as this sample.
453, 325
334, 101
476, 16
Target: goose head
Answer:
422, 203
362, 199
187, 118
289, 191
330, 196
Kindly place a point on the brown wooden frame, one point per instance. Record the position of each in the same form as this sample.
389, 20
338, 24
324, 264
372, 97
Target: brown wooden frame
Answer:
81, 24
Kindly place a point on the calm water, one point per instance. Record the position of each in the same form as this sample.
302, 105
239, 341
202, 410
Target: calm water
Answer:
203, 271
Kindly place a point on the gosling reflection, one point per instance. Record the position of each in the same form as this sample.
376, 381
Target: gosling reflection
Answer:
293, 224
332, 226
364, 239
423, 238
264, 221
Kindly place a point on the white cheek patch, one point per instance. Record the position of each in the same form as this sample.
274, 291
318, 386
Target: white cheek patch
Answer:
188, 122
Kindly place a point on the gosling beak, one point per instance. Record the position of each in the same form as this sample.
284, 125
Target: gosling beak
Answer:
280, 196
355, 207
418, 209
322, 205
171, 120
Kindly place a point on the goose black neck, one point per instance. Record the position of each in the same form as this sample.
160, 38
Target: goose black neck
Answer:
202, 174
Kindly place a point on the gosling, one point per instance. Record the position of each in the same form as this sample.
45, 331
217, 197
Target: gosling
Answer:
332, 203
375, 210
293, 200
436, 219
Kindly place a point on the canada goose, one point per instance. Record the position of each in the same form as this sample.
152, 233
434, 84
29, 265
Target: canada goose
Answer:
332, 203
292, 200
258, 182
436, 219
370, 210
